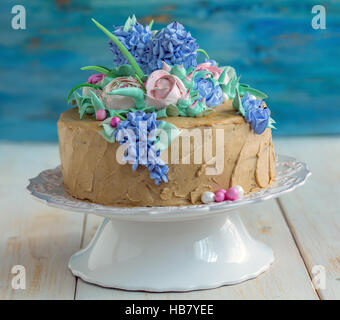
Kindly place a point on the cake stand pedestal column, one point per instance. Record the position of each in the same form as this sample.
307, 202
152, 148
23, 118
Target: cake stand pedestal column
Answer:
199, 253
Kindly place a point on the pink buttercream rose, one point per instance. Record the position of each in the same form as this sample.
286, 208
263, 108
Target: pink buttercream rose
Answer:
163, 88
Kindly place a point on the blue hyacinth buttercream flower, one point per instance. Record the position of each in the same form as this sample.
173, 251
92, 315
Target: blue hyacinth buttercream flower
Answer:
256, 115
173, 45
207, 90
138, 134
135, 40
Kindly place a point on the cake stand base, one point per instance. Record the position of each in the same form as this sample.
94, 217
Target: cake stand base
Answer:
163, 256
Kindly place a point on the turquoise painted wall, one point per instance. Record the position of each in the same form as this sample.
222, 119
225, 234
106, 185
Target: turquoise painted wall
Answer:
270, 43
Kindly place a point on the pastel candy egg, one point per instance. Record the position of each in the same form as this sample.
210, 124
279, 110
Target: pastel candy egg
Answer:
220, 196
101, 114
222, 190
232, 194
208, 197
240, 191
114, 122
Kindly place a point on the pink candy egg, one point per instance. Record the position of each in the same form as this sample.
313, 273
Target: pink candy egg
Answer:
114, 122
232, 194
101, 114
222, 190
219, 196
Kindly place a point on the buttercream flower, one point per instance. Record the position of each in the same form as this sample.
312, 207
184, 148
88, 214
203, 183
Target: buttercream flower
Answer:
136, 133
256, 114
174, 45
208, 90
163, 88
116, 101
135, 40
216, 71
95, 78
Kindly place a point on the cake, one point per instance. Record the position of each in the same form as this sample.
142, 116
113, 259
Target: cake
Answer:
161, 129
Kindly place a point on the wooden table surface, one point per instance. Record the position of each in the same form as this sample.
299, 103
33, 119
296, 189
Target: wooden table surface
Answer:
302, 227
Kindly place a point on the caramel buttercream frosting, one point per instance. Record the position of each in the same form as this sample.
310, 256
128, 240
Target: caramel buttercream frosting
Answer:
217, 151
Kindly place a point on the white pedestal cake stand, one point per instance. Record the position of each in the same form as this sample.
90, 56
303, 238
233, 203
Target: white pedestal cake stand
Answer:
170, 248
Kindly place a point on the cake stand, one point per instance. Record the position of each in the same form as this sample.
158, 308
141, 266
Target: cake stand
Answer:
170, 248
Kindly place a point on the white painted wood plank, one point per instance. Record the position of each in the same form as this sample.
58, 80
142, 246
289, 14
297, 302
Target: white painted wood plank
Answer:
286, 279
40, 238
313, 211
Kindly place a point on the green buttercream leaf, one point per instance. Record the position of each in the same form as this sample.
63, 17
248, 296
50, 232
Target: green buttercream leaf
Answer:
230, 72
179, 71
117, 113
204, 52
78, 98
140, 82
172, 110
270, 123
96, 102
80, 86
103, 70
244, 88
205, 113
136, 93
125, 70
121, 47
161, 113
151, 24
110, 139
222, 76
224, 87
237, 103
130, 22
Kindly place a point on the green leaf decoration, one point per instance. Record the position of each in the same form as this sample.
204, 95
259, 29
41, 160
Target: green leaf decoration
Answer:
230, 72
151, 24
130, 22
270, 123
125, 70
237, 103
178, 71
108, 129
140, 82
99, 69
205, 113
222, 76
257, 93
161, 113
108, 132
117, 113
80, 86
171, 131
204, 52
96, 102
86, 107
78, 98
110, 139
123, 50
136, 93
170, 111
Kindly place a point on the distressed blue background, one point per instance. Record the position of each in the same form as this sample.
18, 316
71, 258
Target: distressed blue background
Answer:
271, 44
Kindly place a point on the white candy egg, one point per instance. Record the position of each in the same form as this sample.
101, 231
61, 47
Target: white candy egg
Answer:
208, 197
240, 191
